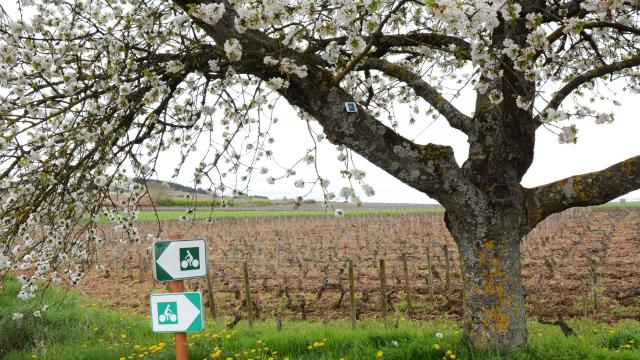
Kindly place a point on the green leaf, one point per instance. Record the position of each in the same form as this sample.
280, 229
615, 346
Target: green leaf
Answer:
373, 6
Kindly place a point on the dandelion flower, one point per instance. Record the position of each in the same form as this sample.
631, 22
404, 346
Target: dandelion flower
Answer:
379, 354
439, 335
436, 346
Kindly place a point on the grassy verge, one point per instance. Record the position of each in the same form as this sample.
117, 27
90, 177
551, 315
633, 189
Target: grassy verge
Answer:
80, 329
234, 214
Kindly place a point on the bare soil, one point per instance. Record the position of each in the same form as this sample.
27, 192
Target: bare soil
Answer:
582, 261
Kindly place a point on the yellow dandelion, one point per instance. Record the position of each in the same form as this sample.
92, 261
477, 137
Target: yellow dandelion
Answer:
436, 346
379, 354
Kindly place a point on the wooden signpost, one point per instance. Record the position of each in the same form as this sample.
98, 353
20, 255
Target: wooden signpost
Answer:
178, 312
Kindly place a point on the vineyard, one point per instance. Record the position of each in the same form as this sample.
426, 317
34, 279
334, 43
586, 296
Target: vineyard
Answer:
581, 263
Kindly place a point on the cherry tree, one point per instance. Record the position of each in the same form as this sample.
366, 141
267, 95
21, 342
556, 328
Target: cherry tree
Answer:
93, 91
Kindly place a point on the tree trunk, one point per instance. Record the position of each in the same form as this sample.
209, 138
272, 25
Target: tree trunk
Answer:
493, 297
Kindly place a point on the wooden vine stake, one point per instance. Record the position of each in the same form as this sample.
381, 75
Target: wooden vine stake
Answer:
447, 265
407, 284
212, 304
247, 292
383, 292
429, 272
352, 296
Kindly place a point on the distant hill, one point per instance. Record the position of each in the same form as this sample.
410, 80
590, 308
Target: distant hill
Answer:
175, 186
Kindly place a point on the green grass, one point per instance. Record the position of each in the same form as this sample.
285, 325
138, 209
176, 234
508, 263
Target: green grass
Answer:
202, 214
630, 205
208, 203
82, 329
190, 202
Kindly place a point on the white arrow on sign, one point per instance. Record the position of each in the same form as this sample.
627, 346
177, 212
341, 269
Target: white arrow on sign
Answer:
185, 312
177, 266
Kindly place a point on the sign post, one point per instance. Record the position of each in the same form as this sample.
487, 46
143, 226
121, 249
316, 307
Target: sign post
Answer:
178, 312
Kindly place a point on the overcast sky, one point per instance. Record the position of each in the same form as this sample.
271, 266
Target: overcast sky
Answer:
598, 147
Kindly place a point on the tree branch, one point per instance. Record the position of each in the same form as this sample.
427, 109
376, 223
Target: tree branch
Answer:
428, 168
583, 78
455, 117
583, 190
386, 42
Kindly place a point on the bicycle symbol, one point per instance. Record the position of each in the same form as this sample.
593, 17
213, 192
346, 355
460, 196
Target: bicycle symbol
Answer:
168, 315
189, 261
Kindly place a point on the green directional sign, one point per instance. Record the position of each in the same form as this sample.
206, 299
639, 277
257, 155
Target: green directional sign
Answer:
180, 259
177, 312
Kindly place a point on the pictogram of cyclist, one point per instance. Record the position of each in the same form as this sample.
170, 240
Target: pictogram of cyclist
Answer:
168, 315
189, 261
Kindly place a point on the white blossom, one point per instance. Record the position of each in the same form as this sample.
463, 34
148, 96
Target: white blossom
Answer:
568, 135
100, 180
368, 190
174, 67
347, 192
511, 11
210, 13
278, 83
4, 262
356, 44
233, 49
603, 118
213, 65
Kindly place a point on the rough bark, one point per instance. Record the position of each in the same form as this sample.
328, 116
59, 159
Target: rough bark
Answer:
493, 301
